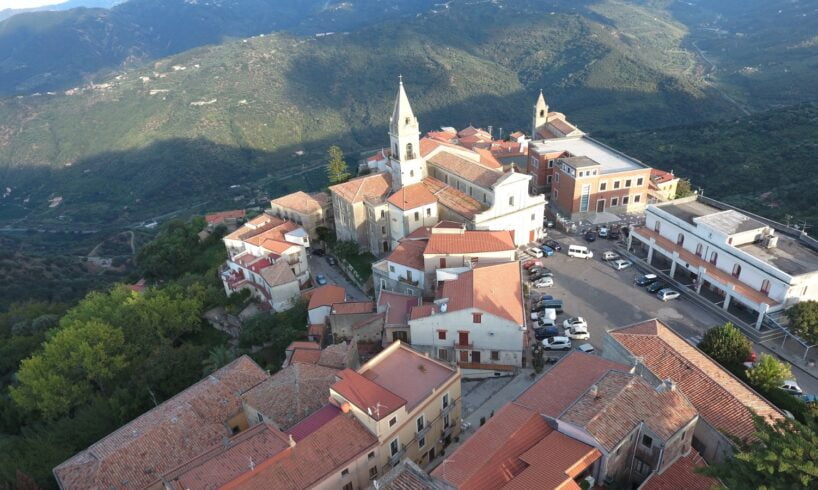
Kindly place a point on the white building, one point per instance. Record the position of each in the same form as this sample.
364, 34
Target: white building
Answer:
729, 255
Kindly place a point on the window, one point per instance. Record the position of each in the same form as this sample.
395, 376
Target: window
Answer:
421, 423
373, 472
370, 455
348, 486
647, 441
392, 422
441, 335
410, 152
640, 181
383, 213
428, 211
625, 200
477, 317
394, 447
603, 186
411, 173
557, 177
383, 230
657, 226
736, 270
765, 286
446, 421
614, 201
542, 113
495, 355
548, 179
550, 163
391, 268
345, 472
637, 198
680, 240
714, 257
627, 182
422, 442
511, 200
445, 400
260, 417
533, 217
556, 194
699, 250
443, 354
417, 216
383, 283
616, 184
581, 174
641, 467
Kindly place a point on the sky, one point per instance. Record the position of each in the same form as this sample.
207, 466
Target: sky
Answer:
27, 4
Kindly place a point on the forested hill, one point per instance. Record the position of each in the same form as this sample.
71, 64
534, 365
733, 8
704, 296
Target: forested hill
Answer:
147, 140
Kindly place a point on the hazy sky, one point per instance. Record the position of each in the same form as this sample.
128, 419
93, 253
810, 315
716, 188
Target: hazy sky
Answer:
27, 4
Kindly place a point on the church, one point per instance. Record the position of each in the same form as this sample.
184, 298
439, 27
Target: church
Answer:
427, 180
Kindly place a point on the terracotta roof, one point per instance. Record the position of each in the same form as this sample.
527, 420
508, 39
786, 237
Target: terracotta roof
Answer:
487, 159
328, 449
469, 242
565, 382
721, 398
226, 461
421, 233
407, 373
422, 311
516, 134
292, 393
305, 345
338, 356
682, 474
398, 305
408, 253
490, 458
254, 227
177, 430
301, 202
660, 176
370, 186
412, 196
622, 402
494, 289
472, 131
314, 422
367, 395
353, 307
216, 218
554, 462
453, 199
278, 274
409, 476
467, 169
327, 295
307, 356
382, 154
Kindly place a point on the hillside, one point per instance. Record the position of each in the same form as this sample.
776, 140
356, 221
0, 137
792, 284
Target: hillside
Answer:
764, 163
147, 141
66, 5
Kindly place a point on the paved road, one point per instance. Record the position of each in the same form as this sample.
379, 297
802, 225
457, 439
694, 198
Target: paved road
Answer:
608, 299
319, 265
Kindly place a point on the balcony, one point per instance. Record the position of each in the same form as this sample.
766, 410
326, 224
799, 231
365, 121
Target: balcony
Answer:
394, 460
408, 281
448, 408
293, 260
422, 432
468, 346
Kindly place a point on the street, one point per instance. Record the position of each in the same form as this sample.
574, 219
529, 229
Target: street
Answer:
319, 265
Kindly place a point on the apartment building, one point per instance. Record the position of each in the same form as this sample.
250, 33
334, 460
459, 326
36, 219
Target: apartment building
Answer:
740, 261
308, 210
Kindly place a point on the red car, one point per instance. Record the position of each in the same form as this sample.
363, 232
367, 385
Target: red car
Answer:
531, 263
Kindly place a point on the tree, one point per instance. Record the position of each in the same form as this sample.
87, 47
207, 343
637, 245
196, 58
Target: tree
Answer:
769, 373
783, 455
337, 169
804, 320
727, 345
683, 189
217, 357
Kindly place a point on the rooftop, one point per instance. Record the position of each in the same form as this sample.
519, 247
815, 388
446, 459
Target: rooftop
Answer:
171, 434
610, 160
399, 306
301, 202
278, 274
682, 474
721, 398
408, 253
468, 242
370, 186
353, 307
789, 255
216, 218
453, 199
494, 289
368, 396
327, 295
412, 196
469, 170
579, 162
409, 476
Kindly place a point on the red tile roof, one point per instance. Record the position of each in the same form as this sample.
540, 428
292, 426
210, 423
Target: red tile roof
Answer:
408, 253
423, 311
329, 449
565, 382
306, 356
487, 159
302, 344
682, 474
339, 356
165, 437
721, 398
453, 199
302, 203
467, 169
278, 274
327, 295
216, 218
421, 233
314, 422
368, 396
494, 289
370, 186
398, 306
554, 462
412, 196
469, 242
353, 307
660, 176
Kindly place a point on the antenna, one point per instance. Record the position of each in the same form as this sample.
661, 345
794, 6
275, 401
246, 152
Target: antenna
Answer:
377, 409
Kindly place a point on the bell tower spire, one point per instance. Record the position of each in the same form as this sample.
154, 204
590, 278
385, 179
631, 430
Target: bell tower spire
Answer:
540, 118
404, 138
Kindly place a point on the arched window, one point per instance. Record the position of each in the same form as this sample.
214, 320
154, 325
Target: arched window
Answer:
657, 225
736, 270
699, 250
714, 257
395, 151
411, 173
680, 240
410, 152
511, 200
542, 113
407, 120
765, 286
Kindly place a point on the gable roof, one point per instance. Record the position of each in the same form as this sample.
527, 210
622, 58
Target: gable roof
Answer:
470, 242
398, 305
412, 196
216, 218
408, 253
466, 169
301, 202
278, 274
370, 186
353, 307
494, 289
457, 201
721, 398
409, 476
327, 295
163, 438
368, 396
554, 462
682, 474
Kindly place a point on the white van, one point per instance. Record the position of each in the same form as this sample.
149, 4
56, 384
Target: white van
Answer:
580, 252
548, 317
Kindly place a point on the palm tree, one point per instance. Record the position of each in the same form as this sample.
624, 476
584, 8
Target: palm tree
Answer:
218, 357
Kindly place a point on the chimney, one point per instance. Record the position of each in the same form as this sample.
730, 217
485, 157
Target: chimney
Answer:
667, 385
292, 441
594, 391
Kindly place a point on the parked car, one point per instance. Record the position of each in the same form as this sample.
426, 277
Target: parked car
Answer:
586, 348
555, 304
320, 279
667, 294
331, 260
548, 251
544, 282
614, 234
541, 333
554, 244
807, 398
540, 275
609, 255
657, 286
542, 304
580, 251
535, 252
590, 236
547, 318
791, 387
578, 333
319, 252
536, 269
574, 321
557, 343
528, 264
646, 280
620, 264
603, 232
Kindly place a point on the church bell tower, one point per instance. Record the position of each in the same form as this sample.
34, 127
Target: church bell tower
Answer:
540, 118
404, 138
